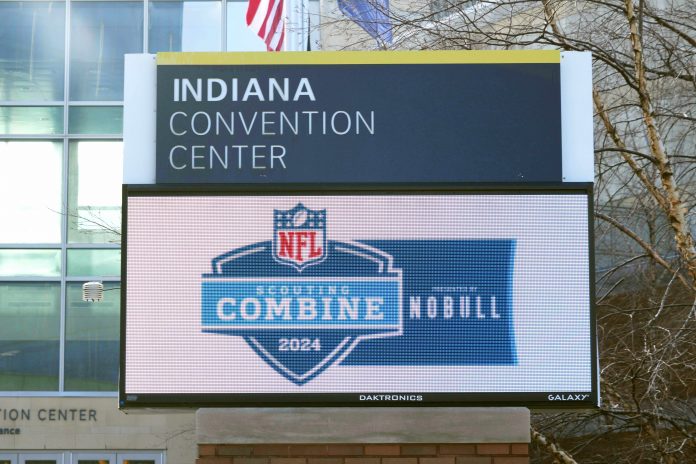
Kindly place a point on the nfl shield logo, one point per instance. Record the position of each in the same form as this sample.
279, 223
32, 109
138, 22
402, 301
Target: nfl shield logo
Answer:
299, 236
301, 325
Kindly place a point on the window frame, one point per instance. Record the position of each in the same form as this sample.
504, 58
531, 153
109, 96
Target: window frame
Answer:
66, 137
22, 458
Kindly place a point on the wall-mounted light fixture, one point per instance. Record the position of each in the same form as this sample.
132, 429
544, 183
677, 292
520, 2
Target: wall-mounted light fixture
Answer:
92, 291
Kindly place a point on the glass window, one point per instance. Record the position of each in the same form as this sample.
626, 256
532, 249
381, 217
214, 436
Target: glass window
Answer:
29, 336
32, 35
94, 262
93, 458
102, 33
92, 340
31, 119
185, 26
240, 38
40, 263
40, 458
30, 174
101, 120
94, 191
139, 458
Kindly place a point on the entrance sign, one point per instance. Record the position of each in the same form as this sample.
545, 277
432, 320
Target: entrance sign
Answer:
396, 228
428, 296
366, 117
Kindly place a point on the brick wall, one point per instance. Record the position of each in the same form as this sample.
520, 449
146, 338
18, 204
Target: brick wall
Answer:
490, 453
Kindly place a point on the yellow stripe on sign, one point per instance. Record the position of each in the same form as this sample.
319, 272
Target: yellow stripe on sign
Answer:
334, 58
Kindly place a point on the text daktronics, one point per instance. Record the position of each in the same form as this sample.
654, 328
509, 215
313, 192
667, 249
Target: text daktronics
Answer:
391, 397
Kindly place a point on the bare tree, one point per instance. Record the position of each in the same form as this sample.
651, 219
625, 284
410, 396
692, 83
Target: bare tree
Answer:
644, 93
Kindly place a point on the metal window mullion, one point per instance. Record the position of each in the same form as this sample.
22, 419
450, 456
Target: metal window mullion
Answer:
30, 279
81, 279
93, 246
53, 394
223, 19
98, 137
64, 194
63, 323
30, 103
97, 103
63, 269
146, 26
31, 137
29, 246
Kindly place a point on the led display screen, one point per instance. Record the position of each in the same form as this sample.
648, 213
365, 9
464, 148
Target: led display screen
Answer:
354, 298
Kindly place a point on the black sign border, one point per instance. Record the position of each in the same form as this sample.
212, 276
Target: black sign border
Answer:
541, 400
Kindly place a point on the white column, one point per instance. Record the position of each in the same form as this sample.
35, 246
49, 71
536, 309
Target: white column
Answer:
139, 115
576, 117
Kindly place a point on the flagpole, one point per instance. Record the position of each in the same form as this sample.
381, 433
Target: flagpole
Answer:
297, 26
289, 16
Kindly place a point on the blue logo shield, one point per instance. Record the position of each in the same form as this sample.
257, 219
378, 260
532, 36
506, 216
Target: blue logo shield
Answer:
301, 319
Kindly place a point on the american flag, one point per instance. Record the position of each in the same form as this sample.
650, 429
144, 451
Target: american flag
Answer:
265, 17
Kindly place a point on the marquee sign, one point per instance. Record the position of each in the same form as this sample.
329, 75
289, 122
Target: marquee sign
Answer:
478, 116
428, 296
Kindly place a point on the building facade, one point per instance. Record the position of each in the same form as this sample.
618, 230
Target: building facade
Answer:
61, 114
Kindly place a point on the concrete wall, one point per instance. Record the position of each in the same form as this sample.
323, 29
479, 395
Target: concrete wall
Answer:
60, 423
